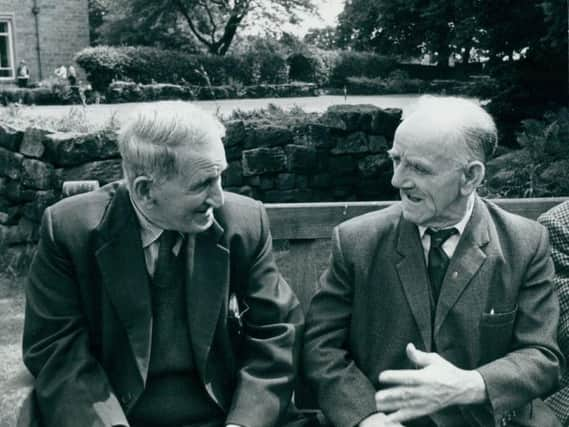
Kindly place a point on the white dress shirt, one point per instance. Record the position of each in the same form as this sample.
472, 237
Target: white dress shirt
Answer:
449, 246
150, 235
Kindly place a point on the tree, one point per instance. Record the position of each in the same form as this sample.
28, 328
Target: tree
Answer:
97, 10
323, 38
502, 29
212, 24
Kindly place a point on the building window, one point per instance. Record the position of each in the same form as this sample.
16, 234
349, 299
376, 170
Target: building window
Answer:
6, 55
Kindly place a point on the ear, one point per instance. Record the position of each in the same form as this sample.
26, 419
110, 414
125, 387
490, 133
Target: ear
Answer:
142, 190
473, 176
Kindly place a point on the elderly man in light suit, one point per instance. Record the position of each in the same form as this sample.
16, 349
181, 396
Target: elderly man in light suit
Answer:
439, 310
157, 301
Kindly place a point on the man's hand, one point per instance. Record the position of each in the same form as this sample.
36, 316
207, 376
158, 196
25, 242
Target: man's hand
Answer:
378, 420
435, 385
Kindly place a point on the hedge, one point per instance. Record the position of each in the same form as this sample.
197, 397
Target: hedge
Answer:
359, 64
103, 64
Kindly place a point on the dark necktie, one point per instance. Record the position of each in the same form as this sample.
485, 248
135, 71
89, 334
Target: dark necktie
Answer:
163, 292
166, 258
438, 259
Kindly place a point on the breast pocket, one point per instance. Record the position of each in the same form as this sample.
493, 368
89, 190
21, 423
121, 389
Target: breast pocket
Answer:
496, 328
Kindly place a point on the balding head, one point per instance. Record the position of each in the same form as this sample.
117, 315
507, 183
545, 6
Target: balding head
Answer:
454, 120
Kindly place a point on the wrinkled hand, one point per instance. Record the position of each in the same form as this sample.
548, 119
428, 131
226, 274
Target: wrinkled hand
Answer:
435, 385
378, 420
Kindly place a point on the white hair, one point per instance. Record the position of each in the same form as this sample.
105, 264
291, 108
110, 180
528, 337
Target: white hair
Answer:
459, 119
153, 139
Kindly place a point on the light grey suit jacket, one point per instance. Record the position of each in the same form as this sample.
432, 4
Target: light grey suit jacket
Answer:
497, 312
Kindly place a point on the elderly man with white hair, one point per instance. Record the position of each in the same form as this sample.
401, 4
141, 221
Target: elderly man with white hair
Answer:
439, 310
156, 301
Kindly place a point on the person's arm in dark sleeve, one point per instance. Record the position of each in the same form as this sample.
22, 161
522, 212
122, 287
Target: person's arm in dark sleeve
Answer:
272, 328
71, 387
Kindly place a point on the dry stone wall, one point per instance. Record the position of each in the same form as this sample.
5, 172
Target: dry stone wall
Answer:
338, 156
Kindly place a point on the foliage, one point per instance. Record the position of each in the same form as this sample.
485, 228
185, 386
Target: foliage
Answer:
103, 64
75, 120
97, 11
350, 64
276, 115
308, 67
498, 29
211, 24
541, 167
322, 38
396, 83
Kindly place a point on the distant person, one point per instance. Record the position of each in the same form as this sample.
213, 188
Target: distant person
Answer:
71, 75
557, 222
61, 72
74, 85
23, 74
439, 310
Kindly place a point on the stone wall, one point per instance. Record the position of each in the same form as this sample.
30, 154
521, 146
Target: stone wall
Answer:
338, 156
63, 27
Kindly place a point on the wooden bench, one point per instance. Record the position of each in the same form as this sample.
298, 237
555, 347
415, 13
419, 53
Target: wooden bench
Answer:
301, 234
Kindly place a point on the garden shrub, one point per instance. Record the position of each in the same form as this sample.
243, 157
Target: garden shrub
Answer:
541, 167
121, 91
396, 82
102, 64
360, 64
308, 67
147, 65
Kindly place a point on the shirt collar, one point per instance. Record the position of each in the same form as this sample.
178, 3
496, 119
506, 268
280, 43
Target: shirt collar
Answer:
461, 225
149, 232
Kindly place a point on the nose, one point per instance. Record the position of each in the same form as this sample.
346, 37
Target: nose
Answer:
399, 179
215, 194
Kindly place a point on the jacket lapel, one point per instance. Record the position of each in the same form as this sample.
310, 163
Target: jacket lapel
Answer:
120, 258
207, 288
465, 263
414, 279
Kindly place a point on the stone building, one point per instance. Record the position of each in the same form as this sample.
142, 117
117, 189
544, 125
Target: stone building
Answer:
44, 33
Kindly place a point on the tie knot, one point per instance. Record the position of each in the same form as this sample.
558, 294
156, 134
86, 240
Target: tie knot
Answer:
440, 236
168, 239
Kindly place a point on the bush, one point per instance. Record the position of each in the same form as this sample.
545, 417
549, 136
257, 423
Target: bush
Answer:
120, 91
308, 67
397, 82
102, 64
359, 64
541, 167
147, 65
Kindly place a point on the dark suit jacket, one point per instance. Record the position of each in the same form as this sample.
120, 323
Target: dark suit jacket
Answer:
557, 222
88, 313
374, 299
